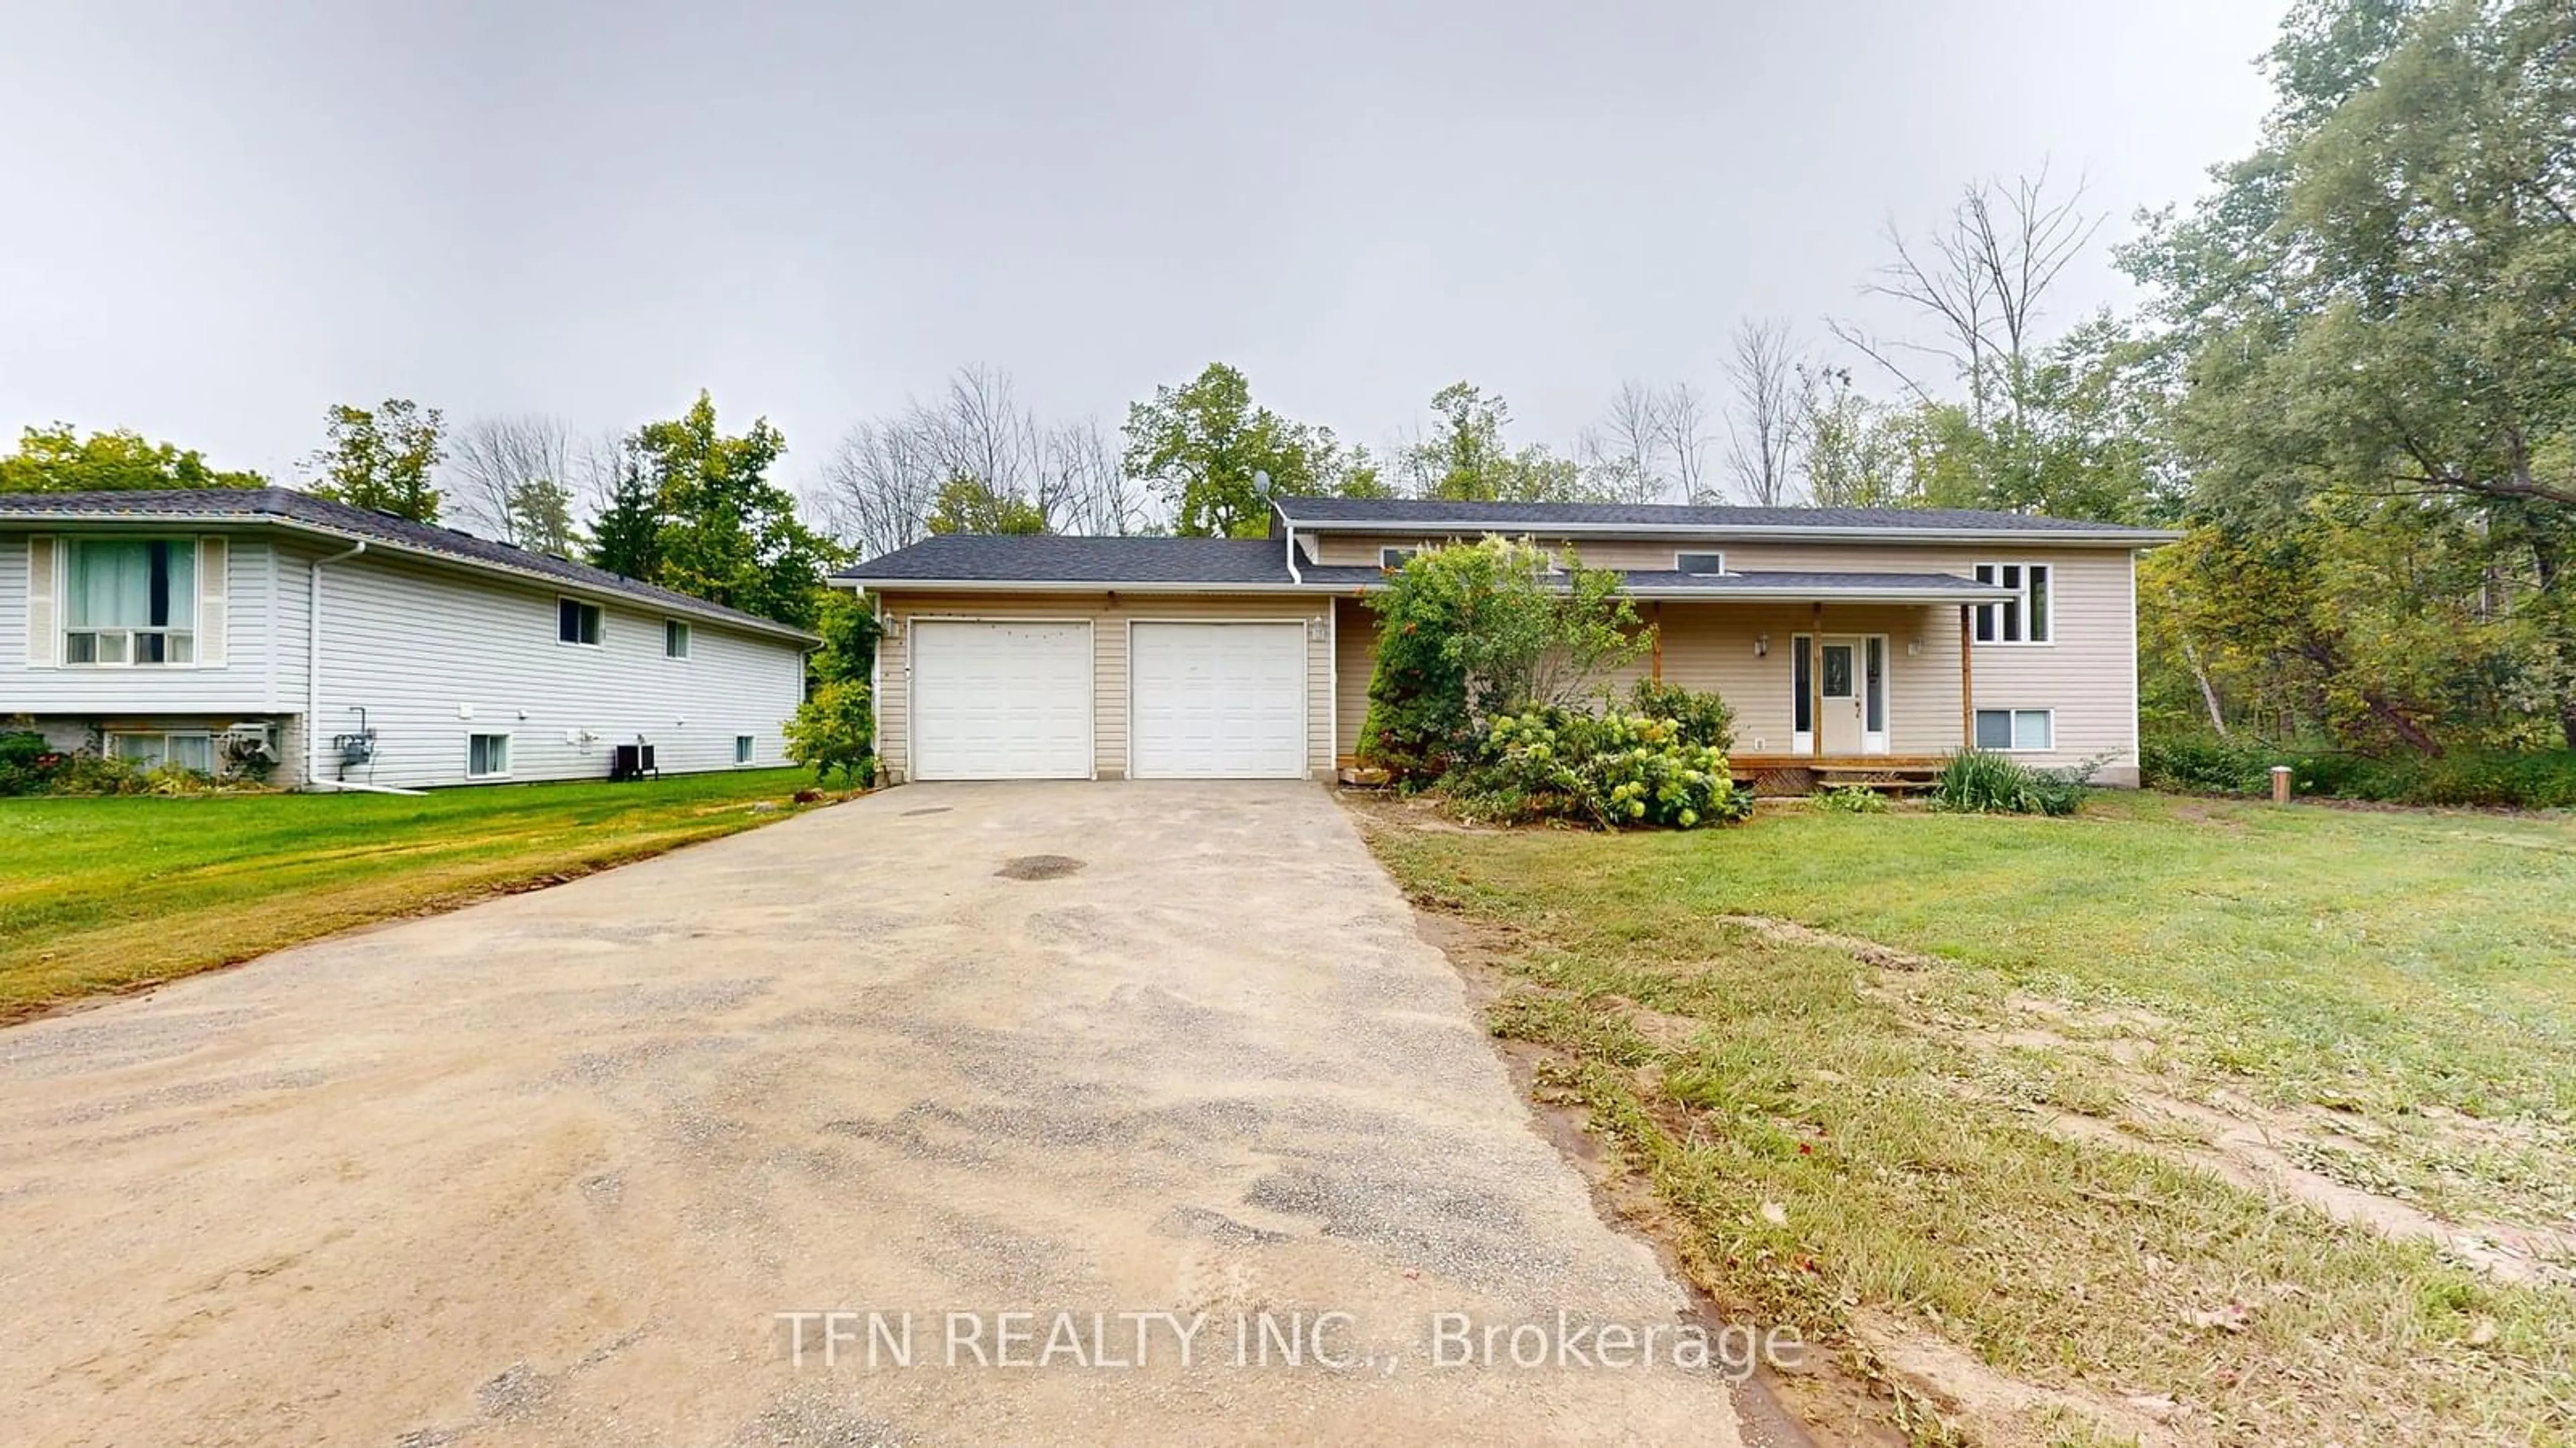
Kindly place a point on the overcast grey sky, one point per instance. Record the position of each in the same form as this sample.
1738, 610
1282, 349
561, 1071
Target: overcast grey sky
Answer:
221, 218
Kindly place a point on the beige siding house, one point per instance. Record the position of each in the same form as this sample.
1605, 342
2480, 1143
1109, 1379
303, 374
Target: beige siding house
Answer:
1847, 640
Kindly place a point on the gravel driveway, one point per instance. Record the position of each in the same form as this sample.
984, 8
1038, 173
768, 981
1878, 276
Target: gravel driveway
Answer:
547, 1170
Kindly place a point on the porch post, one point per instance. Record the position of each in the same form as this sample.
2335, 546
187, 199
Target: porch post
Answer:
1967, 681
1816, 681
1659, 640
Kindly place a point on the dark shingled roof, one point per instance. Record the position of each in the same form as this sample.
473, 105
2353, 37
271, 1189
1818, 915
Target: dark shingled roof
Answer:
303, 510
1057, 558
1219, 564
1413, 512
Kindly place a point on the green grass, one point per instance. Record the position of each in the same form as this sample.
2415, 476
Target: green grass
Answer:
110, 894
2396, 991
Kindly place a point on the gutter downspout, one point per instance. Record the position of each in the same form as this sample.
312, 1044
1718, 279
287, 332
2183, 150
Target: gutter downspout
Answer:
313, 665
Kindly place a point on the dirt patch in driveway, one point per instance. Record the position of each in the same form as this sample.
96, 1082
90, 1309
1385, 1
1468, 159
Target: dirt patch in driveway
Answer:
548, 1170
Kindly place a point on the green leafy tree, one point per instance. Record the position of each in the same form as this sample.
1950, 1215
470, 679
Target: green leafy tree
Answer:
57, 459
2375, 351
834, 730
541, 517
726, 533
1464, 459
968, 505
1469, 632
382, 458
626, 537
1205, 446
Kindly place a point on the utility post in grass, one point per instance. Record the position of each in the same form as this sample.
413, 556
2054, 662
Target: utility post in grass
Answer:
2280, 784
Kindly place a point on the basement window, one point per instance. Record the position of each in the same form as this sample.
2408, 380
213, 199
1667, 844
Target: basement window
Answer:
151, 751
2017, 731
742, 747
487, 756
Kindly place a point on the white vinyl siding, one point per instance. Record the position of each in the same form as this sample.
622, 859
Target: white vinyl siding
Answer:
417, 644
232, 677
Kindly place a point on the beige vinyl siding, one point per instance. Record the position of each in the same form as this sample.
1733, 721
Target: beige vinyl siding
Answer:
2087, 674
1109, 616
1354, 658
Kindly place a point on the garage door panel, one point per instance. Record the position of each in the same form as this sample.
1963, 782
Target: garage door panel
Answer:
997, 700
1218, 700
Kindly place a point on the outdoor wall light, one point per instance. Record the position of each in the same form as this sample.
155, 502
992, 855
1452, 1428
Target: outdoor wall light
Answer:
1914, 646
1762, 646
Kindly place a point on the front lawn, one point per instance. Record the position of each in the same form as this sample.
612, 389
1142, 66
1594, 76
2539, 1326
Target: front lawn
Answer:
109, 894
2178, 1121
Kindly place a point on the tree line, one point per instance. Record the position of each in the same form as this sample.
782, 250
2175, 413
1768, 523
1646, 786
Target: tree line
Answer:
2350, 386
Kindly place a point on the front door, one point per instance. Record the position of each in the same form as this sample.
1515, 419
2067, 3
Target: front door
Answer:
1841, 687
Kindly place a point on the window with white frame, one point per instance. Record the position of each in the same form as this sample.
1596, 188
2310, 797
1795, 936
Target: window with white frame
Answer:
130, 601
2026, 619
675, 639
577, 622
742, 746
2017, 730
153, 749
1699, 563
1393, 558
487, 756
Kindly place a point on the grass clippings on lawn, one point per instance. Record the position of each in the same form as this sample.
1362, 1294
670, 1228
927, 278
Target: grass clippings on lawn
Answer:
99, 896
2187, 1123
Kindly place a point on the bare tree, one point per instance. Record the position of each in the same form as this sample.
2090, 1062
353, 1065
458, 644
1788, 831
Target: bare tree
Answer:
1982, 280
1624, 455
1761, 426
884, 479
513, 477
1685, 422
1099, 497
880, 484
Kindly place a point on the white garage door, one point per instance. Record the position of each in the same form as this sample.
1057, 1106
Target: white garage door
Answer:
1001, 700
1218, 700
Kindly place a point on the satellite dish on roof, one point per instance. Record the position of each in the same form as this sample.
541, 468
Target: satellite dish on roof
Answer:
1261, 481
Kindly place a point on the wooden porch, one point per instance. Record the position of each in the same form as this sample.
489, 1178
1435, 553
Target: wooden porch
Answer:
1792, 774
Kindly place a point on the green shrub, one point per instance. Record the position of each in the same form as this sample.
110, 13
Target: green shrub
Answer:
1978, 781
1849, 799
2206, 764
1704, 718
835, 732
1471, 632
1613, 771
29, 765
2209, 764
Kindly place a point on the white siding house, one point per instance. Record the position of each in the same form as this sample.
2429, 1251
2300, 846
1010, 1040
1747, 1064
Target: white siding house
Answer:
441, 659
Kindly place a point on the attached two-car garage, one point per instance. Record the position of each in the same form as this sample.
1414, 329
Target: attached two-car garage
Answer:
1075, 698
